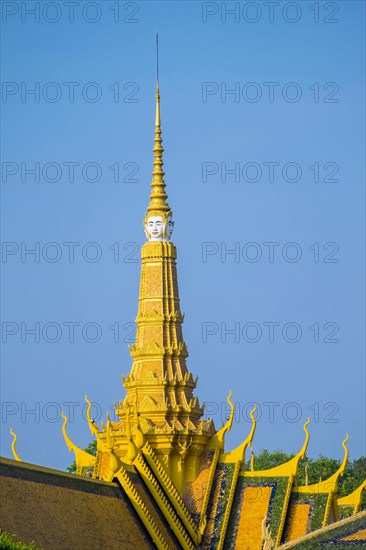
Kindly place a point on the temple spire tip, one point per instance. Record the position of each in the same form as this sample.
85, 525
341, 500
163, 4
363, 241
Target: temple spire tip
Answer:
157, 62
158, 222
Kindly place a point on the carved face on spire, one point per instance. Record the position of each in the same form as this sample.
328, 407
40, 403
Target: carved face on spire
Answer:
159, 228
155, 228
169, 228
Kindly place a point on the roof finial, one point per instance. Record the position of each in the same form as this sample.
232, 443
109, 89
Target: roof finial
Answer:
158, 206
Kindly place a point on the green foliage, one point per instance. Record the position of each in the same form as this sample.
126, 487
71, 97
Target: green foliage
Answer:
345, 511
7, 542
318, 468
91, 449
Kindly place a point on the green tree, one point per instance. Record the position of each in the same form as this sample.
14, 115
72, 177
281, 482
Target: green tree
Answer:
7, 542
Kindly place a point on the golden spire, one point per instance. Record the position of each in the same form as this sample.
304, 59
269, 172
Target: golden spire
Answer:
158, 198
159, 406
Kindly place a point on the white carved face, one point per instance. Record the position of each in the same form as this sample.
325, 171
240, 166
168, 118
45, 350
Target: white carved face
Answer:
169, 229
155, 228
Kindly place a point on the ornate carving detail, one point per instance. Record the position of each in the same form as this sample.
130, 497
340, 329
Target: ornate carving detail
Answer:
152, 348
148, 404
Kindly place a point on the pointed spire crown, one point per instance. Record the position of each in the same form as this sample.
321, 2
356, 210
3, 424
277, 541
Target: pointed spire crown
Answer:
158, 206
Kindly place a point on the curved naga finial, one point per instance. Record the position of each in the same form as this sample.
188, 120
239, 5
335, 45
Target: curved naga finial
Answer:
302, 452
249, 439
239, 452
288, 468
334, 478
345, 457
13, 449
92, 424
229, 422
68, 441
82, 458
328, 485
294, 462
218, 439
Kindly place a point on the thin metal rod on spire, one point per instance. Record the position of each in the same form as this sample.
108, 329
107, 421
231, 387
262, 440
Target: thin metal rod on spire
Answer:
157, 95
157, 57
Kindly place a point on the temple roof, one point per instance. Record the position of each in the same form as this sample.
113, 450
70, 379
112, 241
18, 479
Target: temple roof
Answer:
62, 511
343, 535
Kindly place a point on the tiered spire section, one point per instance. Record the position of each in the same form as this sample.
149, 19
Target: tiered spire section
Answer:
158, 197
159, 384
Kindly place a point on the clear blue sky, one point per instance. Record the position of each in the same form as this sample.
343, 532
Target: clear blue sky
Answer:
298, 152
